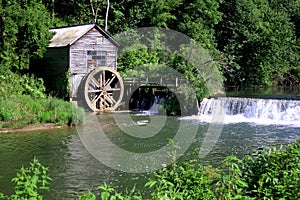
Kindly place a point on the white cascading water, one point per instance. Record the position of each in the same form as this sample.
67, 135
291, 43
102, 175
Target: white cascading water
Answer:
154, 109
251, 110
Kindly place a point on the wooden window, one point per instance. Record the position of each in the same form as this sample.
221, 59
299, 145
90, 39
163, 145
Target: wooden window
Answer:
96, 58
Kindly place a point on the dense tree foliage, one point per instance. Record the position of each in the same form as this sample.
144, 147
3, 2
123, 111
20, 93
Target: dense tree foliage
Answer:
260, 40
24, 32
253, 42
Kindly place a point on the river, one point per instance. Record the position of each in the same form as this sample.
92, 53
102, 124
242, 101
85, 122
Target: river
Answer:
74, 166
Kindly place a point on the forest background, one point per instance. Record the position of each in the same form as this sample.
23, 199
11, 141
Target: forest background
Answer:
252, 42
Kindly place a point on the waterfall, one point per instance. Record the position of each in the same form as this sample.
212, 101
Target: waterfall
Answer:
154, 109
251, 110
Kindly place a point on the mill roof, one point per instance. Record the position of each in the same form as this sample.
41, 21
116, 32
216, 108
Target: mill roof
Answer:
66, 36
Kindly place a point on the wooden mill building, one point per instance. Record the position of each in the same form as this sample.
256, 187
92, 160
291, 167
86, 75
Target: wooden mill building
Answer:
74, 51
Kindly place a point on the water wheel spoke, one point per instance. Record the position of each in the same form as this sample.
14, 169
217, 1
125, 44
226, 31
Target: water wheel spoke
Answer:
94, 103
95, 81
106, 86
96, 98
101, 103
92, 100
113, 89
105, 101
109, 81
94, 91
111, 99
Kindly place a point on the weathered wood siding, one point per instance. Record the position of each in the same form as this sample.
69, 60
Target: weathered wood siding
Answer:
93, 41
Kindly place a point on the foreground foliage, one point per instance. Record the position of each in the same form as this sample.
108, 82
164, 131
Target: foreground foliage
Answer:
274, 173
29, 182
269, 173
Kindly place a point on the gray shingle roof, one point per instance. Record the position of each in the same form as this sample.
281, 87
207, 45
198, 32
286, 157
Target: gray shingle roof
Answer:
69, 35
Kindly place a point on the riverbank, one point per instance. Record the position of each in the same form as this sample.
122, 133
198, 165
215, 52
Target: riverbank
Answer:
25, 113
32, 127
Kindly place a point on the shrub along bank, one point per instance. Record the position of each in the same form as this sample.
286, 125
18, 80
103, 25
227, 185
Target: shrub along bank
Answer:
266, 174
21, 110
23, 101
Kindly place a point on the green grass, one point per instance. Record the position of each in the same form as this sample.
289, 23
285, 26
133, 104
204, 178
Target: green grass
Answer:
23, 101
21, 110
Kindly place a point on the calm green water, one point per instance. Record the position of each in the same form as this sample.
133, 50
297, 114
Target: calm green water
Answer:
74, 170
277, 92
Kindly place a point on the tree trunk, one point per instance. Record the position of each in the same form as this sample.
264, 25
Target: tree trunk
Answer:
106, 16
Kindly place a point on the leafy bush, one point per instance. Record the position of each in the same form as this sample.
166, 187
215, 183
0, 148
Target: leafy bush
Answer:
29, 182
274, 173
187, 181
16, 107
268, 174
230, 183
13, 83
59, 112
23, 101
20, 110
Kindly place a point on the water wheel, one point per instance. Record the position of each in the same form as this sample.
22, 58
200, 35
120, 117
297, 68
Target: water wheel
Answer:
103, 89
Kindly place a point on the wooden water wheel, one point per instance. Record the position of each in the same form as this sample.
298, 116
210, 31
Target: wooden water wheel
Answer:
103, 89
